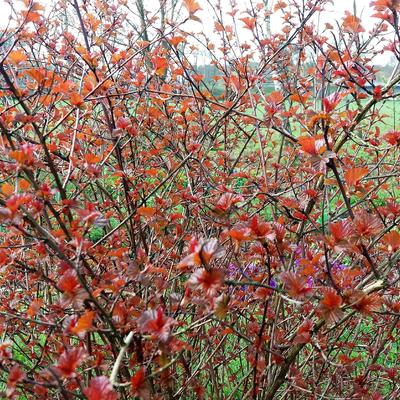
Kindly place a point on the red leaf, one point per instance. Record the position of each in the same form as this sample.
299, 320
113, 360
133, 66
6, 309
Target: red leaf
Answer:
15, 375
392, 240
341, 230
5, 350
208, 281
100, 388
156, 323
203, 253
123, 123
329, 103
296, 285
226, 202
393, 137
138, 379
367, 225
329, 307
138, 384
378, 92
17, 200
68, 283
303, 334
365, 303
261, 229
69, 361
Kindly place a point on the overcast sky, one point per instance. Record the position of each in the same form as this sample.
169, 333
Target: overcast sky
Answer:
334, 12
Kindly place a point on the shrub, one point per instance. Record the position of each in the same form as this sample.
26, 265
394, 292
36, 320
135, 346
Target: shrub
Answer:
167, 235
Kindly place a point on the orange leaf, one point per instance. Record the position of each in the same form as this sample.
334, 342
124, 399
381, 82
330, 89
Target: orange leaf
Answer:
85, 323
275, 97
17, 57
218, 27
298, 98
92, 158
160, 65
197, 77
118, 253
76, 99
351, 23
354, 175
313, 145
31, 16
221, 306
176, 40
226, 331
22, 157
250, 23
152, 171
146, 211
367, 224
240, 234
192, 6
24, 184
34, 308
7, 189
33, 6
235, 82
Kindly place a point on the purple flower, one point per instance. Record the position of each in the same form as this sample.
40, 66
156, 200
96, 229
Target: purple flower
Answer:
232, 270
252, 268
298, 251
272, 283
336, 266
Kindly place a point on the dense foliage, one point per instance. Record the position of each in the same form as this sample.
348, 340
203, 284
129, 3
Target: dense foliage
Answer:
164, 235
